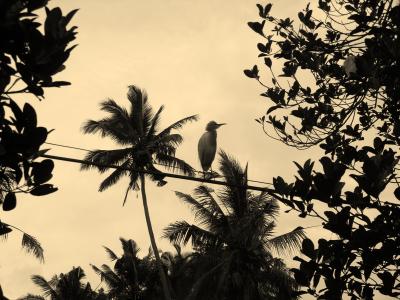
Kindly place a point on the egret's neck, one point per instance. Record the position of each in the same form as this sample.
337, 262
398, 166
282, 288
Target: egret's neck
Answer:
212, 132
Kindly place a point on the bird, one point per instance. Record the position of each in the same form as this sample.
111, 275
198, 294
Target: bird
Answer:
207, 146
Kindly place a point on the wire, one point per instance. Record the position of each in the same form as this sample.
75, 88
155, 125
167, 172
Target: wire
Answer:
65, 146
159, 164
172, 175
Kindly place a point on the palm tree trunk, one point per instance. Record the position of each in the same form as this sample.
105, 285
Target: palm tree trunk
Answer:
163, 277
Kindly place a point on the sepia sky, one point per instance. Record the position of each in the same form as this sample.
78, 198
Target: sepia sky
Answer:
189, 56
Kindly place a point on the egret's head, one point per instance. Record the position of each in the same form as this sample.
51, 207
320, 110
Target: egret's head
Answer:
213, 125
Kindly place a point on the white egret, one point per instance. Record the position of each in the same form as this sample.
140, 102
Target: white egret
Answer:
208, 145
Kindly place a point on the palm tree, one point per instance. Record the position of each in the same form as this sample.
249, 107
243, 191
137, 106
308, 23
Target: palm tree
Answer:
63, 287
143, 146
128, 279
234, 240
134, 278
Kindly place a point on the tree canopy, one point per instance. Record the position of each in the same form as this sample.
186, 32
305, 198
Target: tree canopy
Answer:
233, 236
31, 53
335, 83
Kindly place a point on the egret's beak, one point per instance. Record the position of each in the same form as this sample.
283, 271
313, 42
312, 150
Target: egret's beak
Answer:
220, 124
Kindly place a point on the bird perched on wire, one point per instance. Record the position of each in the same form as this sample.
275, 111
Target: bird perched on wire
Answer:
208, 145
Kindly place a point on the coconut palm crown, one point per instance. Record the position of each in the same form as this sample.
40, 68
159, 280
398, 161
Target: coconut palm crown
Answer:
144, 146
234, 232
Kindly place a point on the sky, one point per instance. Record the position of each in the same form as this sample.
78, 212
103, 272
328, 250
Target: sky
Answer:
188, 56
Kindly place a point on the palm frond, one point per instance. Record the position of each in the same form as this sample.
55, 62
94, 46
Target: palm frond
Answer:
138, 99
170, 140
205, 197
76, 274
234, 195
32, 245
47, 289
54, 280
117, 112
133, 185
105, 158
130, 247
175, 164
265, 205
108, 276
181, 232
148, 115
119, 132
288, 242
97, 271
155, 122
155, 174
177, 125
278, 279
201, 213
231, 169
4, 230
113, 177
110, 253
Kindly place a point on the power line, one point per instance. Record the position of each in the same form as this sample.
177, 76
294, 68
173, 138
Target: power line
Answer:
159, 164
172, 175
65, 146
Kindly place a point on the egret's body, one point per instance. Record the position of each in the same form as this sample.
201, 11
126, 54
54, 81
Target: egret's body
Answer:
208, 145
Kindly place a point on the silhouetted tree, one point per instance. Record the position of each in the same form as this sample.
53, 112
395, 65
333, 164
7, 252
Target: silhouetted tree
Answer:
234, 240
65, 287
31, 53
137, 130
342, 92
131, 277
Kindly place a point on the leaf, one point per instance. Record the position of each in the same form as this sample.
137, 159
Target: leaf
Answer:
378, 145
261, 10
43, 189
10, 201
308, 248
397, 193
267, 9
29, 114
281, 186
272, 108
268, 62
55, 84
38, 136
257, 27
253, 73
4, 229
42, 171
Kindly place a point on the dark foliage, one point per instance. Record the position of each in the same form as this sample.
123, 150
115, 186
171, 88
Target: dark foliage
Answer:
65, 287
342, 69
131, 277
31, 53
233, 240
28, 61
